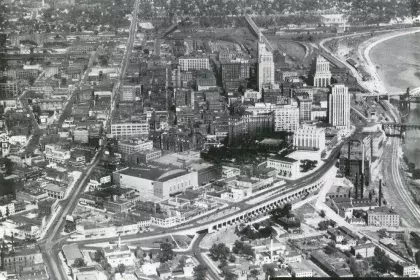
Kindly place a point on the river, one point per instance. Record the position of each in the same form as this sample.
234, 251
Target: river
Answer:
399, 68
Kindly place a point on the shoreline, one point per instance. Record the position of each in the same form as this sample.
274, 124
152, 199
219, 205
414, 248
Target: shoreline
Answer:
364, 54
364, 51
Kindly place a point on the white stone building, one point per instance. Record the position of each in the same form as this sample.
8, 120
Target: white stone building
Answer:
309, 136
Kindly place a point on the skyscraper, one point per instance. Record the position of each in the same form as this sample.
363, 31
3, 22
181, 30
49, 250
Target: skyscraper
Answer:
265, 66
321, 73
339, 106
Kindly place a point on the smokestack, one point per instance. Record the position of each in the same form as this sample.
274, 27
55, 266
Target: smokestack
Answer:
362, 185
356, 186
363, 158
348, 160
380, 192
271, 249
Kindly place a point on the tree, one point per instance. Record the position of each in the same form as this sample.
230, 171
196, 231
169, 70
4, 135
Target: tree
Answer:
223, 263
380, 261
254, 273
323, 225
200, 272
31, 80
7, 211
166, 252
229, 275
99, 256
417, 258
79, 262
232, 258
3, 15
382, 233
415, 6
219, 251
322, 214
120, 268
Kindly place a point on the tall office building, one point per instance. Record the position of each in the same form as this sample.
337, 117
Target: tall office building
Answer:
339, 106
321, 73
265, 66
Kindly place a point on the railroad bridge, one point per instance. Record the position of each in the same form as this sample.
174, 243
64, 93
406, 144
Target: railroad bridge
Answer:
266, 206
397, 129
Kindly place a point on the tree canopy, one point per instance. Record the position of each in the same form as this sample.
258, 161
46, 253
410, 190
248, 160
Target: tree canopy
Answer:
166, 252
219, 251
380, 261
200, 272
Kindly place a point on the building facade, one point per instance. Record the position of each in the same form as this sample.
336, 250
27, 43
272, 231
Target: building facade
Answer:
286, 167
56, 154
130, 129
265, 66
308, 137
321, 72
134, 145
194, 63
339, 106
384, 217
286, 118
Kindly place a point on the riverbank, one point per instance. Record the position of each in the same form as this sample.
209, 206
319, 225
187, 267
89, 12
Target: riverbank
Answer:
364, 52
396, 71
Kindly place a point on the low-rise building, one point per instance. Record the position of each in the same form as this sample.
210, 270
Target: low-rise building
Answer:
7, 208
16, 260
290, 257
383, 216
287, 167
144, 156
366, 250
336, 234
119, 255
409, 270
54, 190
228, 172
56, 154
301, 269
71, 253
134, 145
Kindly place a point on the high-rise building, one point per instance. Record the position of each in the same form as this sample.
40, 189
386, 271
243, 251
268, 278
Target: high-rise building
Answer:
265, 66
305, 108
286, 118
9, 90
234, 72
339, 106
321, 74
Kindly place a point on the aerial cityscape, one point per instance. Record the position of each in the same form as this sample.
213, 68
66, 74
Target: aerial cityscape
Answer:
207, 140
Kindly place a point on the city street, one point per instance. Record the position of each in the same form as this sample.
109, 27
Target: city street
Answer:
53, 242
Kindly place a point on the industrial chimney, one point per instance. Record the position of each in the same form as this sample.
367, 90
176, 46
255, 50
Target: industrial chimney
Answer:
271, 249
380, 192
362, 185
356, 186
348, 161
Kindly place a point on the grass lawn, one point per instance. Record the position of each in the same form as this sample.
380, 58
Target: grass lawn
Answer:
183, 241
154, 242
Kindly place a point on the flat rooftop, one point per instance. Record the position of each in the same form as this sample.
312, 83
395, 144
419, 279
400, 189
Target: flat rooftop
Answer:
285, 159
153, 174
